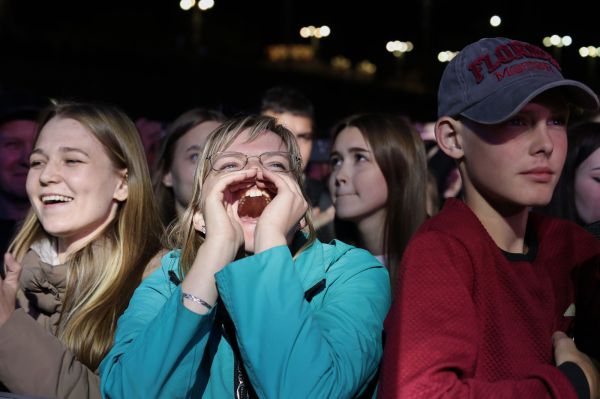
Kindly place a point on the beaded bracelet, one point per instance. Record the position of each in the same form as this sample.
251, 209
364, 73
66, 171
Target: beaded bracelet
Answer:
193, 298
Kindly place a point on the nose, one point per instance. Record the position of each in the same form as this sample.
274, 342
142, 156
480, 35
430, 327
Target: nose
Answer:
340, 176
253, 162
543, 139
50, 173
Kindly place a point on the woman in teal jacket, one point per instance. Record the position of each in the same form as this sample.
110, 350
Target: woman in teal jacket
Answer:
250, 305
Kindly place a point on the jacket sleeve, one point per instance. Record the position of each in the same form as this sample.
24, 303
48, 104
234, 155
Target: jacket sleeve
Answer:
158, 344
431, 336
35, 362
292, 351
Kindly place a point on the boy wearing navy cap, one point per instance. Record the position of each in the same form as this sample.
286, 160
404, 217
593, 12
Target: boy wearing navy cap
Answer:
488, 289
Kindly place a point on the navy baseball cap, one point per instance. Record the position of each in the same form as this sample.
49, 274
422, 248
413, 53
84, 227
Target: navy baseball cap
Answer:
492, 79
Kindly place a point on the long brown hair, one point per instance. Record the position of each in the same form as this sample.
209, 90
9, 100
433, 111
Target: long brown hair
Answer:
102, 276
180, 126
400, 154
183, 235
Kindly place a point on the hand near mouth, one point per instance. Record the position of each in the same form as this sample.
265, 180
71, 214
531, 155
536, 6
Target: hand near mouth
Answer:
216, 215
223, 236
280, 219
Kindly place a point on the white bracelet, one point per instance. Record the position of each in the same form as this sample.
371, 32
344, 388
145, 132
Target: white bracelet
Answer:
193, 298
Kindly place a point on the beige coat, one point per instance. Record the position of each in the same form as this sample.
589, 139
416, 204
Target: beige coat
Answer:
32, 360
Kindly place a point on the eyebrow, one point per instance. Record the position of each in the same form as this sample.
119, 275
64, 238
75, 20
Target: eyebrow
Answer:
61, 149
355, 149
351, 150
194, 147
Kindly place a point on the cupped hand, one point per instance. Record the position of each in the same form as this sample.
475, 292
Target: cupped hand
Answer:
282, 217
224, 236
9, 287
566, 351
216, 217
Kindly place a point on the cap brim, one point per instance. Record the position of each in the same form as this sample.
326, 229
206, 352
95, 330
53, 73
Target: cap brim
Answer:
506, 102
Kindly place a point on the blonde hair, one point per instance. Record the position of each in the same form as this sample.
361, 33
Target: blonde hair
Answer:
183, 235
102, 276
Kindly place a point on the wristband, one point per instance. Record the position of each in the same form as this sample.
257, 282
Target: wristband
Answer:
193, 298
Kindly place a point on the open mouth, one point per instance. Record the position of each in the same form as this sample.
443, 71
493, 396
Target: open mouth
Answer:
253, 202
55, 199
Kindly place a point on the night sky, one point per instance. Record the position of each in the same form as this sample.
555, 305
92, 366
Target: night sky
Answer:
154, 59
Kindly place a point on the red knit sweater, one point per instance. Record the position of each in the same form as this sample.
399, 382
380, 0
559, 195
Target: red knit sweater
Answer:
467, 322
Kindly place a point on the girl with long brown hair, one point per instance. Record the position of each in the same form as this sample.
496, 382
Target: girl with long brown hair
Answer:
379, 184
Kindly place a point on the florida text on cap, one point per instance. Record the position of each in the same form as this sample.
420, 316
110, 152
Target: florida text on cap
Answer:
492, 79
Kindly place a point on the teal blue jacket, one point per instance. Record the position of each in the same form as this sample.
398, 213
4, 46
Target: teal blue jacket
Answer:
329, 347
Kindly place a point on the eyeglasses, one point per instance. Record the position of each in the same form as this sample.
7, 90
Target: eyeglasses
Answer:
275, 161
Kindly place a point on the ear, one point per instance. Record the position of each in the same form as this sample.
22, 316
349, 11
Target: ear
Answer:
122, 190
167, 179
302, 223
448, 137
198, 222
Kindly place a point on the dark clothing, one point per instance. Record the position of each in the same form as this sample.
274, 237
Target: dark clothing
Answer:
317, 194
594, 228
440, 165
319, 197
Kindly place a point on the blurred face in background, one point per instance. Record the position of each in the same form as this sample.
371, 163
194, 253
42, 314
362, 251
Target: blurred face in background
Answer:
151, 133
587, 188
302, 127
180, 177
16, 141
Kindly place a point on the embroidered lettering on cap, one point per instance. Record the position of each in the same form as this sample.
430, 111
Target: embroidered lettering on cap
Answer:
522, 67
505, 54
